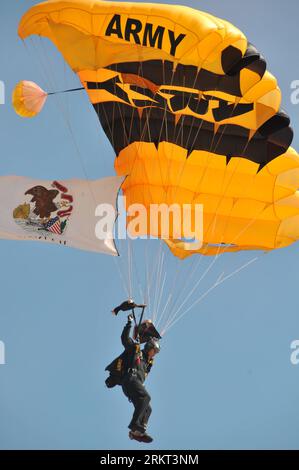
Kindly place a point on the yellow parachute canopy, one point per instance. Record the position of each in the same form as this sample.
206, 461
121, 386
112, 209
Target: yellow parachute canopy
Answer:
192, 114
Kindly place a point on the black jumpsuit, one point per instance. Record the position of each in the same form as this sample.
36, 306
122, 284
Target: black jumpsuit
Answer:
132, 384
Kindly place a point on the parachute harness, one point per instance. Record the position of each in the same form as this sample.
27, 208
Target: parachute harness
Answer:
138, 352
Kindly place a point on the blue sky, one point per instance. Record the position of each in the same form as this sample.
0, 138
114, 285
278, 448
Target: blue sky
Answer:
224, 377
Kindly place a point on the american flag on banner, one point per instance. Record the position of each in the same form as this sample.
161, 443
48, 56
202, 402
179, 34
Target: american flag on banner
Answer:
54, 226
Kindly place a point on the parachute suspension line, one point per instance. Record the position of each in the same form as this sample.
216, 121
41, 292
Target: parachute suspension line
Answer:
152, 292
60, 105
163, 311
130, 269
162, 290
181, 123
125, 286
155, 290
158, 283
127, 269
67, 102
183, 167
173, 306
223, 192
129, 249
161, 293
146, 125
124, 265
155, 262
217, 143
101, 106
146, 280
123, 270
216, 284
148, 276
176, 312
158, 297
134, 279
161, 280
65, 113
148, 111
179, 266
126, 134
39, 60
166, 183
170, 156
158, 288
107, 121
181, 120
132, 168
59, 102
214, 221
190, 293
119, 263
78, 153
147, 128
137, 274
251, 221
171, 292
133, 271
53, 83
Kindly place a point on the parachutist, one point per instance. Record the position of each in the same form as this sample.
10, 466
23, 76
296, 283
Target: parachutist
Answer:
140, 363
130, 371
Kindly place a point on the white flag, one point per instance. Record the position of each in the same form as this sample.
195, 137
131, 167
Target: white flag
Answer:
62, 212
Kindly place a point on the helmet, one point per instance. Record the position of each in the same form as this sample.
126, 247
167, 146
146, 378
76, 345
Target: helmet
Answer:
153, 343
145, 331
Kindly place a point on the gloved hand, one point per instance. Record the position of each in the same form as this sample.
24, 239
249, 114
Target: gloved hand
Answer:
130, 318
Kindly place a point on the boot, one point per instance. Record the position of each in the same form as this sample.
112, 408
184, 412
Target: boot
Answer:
140, 437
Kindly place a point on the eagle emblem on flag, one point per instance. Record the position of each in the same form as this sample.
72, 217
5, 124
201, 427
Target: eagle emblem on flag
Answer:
45, 211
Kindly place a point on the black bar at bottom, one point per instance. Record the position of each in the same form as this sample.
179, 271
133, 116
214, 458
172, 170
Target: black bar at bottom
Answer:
131, 459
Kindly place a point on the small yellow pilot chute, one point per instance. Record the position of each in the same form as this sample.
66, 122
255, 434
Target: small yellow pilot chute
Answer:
28, 99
